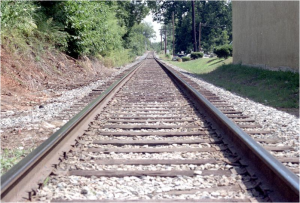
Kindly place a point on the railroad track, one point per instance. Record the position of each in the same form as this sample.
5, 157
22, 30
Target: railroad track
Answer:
13, 124
154, 136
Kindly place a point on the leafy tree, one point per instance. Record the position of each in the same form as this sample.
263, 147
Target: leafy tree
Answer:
156, 46
130, 13
139, 38
99, 27
92, 26
215, 14
79, 28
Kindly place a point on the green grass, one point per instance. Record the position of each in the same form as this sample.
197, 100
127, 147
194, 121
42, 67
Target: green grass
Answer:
273, 88
204, 65
165, 57
11, 157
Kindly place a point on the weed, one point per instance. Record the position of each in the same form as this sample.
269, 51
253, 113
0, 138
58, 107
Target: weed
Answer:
46, 181
11, 157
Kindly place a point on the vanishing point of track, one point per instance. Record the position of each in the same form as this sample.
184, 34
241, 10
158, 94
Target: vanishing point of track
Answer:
155, 131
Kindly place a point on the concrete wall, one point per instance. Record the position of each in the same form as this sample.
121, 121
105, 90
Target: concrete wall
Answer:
266, 34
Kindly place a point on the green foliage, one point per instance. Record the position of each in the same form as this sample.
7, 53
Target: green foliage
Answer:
118, 57
196, 55
11, 157
49, 32
223, 38
26, 28
130, 13
92, 27
18, 16
138, 40
179, 59
80, 28
215, 16
105, 28
156, 46
17, 23
185, 58
223, 51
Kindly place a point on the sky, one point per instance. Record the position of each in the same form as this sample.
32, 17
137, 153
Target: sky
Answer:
155, 26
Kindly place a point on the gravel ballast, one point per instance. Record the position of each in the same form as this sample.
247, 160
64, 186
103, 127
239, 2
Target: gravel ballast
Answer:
54, 106
23, 131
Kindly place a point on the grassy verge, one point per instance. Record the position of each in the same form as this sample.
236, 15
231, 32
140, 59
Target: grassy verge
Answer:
204, 65
164, 57
273, 88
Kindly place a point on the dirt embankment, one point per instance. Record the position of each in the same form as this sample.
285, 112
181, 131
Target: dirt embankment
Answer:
24, 79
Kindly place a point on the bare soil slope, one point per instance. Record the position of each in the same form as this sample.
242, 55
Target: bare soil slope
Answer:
23, 78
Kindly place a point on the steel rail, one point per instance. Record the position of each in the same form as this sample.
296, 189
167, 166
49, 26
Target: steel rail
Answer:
283, 183
11, 185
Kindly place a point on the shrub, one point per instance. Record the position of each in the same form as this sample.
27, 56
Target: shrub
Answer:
179, 59
196, 55
17, 24
168, 56
185, 58
223, 51
26, 28
92, 27
120, 57
18, 16
49, 32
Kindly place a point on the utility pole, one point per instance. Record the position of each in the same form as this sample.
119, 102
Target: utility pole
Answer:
161, 40
173, 34
165, 39
199, 36
194, 30
163, 32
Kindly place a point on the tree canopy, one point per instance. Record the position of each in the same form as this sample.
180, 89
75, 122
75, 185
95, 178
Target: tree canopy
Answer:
78, 27
215, 17
106, 27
